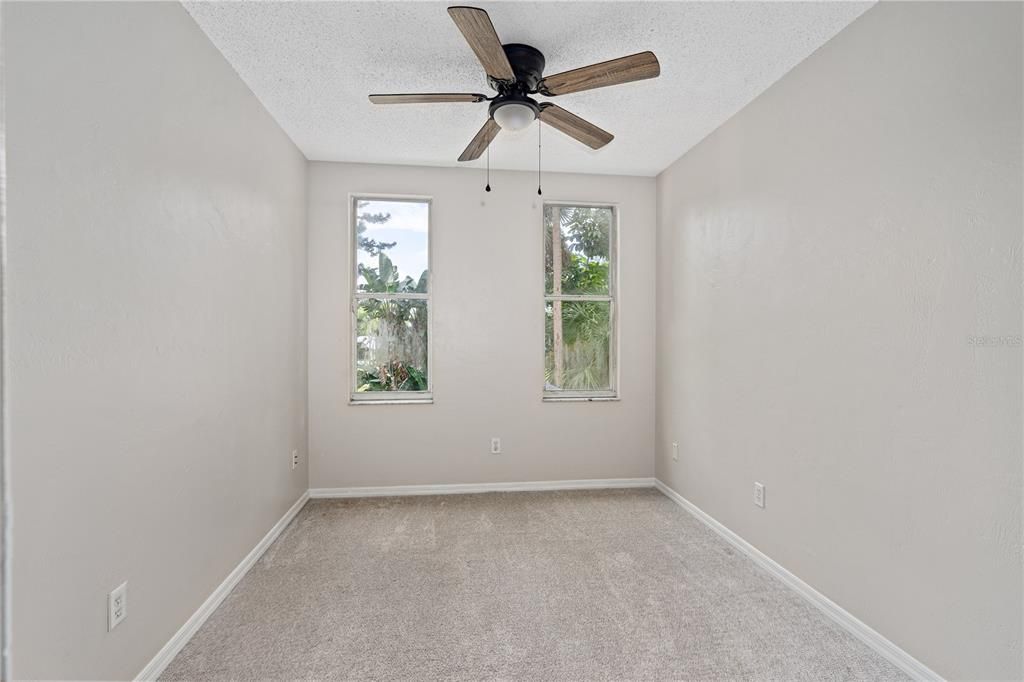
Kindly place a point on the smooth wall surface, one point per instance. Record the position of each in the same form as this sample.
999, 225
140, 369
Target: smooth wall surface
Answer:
488, 337
839, 318
156, 327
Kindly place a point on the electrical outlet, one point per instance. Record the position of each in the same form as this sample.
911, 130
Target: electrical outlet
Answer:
759, 494
675, 452
295, 458
495, 446
117, 606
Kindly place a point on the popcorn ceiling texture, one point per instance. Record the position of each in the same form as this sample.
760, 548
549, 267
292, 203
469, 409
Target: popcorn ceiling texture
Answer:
595, 585
312, 65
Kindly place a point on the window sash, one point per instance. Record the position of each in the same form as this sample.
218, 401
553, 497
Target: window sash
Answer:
388, 397
613, 243
567, 394
391, 396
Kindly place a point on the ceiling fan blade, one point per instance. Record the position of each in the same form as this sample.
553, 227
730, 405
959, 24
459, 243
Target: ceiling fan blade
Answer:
427, 98
636, 67
574, 126
479, 32
480, 141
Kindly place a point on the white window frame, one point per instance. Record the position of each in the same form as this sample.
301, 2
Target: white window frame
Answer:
388, 397
612, 392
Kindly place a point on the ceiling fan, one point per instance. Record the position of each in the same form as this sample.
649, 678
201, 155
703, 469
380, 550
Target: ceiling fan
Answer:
516, 71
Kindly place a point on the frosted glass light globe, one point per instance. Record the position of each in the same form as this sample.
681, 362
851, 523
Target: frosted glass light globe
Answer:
513, 116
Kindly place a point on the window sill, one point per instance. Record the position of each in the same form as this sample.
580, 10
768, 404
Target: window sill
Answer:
394, 401
581, 399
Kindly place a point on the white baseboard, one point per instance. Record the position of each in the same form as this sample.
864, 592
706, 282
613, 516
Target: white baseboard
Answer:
156, 666
874, 640
464, 488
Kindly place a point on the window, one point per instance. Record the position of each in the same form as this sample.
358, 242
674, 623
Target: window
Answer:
391, 299
579, 301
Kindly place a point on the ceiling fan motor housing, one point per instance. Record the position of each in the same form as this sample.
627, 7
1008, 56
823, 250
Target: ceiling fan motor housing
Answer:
527, 64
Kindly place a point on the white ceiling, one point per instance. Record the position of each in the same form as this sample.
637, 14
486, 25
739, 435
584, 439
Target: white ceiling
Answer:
312, 64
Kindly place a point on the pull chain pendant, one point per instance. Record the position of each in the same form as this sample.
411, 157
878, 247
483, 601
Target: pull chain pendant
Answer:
539, 193
488, 187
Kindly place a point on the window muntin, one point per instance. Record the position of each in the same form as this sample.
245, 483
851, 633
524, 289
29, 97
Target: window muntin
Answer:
391, 299
579, 301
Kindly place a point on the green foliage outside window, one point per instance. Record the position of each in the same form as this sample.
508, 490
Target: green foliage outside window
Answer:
391, 333
578, 333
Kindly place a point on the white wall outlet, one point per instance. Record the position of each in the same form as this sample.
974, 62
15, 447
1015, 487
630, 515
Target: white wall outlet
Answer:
675, 452
759, 494
495, 446
295, 458
117, 606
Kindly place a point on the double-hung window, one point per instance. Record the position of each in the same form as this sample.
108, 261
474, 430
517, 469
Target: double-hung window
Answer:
579, 301
390, 299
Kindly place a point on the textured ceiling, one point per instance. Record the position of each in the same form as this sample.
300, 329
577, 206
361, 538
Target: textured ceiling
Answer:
312, 64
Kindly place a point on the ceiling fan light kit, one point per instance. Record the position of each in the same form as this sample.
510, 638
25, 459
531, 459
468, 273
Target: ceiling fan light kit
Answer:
514, 116
516, 72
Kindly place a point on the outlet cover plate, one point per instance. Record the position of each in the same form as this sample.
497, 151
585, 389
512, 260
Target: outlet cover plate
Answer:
117, 606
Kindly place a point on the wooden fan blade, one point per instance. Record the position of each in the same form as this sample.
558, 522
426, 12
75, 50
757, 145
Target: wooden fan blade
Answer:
479, 32
479, 143
574, 126
635, 67
427, 98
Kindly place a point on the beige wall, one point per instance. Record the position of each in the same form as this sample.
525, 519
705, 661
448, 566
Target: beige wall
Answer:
825, 259
488, 337
156, 315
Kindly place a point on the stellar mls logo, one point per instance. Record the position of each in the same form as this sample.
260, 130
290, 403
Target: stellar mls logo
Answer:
991, 341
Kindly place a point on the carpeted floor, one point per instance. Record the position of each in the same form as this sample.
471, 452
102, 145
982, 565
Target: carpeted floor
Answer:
587, 585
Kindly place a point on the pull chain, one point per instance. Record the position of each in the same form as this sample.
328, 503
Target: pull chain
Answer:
538, 158
488, 187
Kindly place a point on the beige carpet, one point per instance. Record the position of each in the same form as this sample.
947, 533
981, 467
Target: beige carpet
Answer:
589, 585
